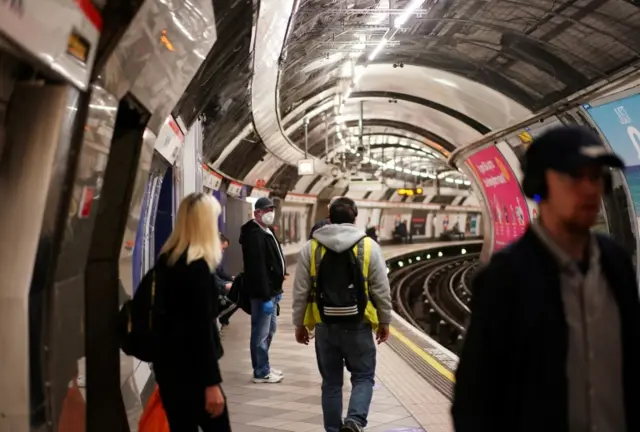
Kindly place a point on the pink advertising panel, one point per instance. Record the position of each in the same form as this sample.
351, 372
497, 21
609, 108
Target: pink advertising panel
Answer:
505, 200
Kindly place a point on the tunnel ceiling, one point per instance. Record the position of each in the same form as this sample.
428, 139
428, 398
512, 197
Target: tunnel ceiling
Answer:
529, 53
219, 91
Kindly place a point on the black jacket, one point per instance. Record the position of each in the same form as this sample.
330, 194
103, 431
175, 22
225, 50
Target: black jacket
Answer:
511, 375
319, 225
190, 337
263, 258
223, 274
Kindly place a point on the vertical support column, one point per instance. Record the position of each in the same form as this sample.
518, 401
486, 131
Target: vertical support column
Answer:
105, 404
192, 160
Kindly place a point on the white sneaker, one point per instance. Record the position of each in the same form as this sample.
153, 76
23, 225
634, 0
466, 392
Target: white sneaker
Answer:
269, 379
277, 372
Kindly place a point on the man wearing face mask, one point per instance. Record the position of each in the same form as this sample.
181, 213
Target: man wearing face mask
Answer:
264, 273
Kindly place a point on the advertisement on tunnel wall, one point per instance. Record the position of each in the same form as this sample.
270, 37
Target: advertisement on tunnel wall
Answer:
505, 200
619, 122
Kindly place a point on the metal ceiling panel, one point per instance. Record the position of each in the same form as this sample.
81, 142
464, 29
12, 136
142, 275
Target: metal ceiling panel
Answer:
160, 53
264, 169
447, 127
273, 23
476, 100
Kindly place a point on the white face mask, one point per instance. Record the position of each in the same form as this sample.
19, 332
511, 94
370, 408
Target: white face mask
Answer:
268, 218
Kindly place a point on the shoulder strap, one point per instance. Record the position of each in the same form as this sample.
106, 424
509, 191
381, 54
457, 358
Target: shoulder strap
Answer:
316, 257
362, 250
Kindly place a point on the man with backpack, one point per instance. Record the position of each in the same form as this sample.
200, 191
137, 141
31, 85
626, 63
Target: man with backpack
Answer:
341, 289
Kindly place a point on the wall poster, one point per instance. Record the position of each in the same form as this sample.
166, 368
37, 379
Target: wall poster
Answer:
505, 199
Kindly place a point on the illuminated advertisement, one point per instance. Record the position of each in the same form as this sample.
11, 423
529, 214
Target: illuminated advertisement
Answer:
504, 197
619, 122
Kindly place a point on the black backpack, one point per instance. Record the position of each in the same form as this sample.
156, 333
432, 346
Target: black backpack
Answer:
238, 295
340, 285
139, 320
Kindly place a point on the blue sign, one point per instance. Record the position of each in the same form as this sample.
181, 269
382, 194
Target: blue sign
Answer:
619, 122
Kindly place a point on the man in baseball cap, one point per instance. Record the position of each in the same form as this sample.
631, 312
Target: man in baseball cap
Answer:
264, 274
565, 171
560, 306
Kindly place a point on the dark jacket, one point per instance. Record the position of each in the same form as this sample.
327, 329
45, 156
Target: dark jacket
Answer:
511, 375
190, 338
319, 225
226, 277
261, 255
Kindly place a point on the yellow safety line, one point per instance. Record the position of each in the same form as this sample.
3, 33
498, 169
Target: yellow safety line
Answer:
426, 357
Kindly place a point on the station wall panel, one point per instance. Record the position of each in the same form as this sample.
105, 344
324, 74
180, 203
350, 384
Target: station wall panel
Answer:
293, 226
388, 220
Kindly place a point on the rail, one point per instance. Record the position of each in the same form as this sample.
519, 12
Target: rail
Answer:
452, 287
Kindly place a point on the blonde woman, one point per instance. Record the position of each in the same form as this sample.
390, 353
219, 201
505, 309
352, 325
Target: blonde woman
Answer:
187, 368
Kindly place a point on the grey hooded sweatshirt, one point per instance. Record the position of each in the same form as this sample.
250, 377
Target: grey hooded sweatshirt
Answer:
338, 238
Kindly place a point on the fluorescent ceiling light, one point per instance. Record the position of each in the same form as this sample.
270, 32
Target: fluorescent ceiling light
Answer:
402, 18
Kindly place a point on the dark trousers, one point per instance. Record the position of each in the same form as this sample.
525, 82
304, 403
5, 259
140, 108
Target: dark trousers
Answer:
185, 408
226, 314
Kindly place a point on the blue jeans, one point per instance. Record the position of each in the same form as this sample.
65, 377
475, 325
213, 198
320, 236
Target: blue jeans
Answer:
263, 327
335, 346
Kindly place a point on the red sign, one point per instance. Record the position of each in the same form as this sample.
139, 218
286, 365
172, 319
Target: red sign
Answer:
86, 201
260, 183
508, 207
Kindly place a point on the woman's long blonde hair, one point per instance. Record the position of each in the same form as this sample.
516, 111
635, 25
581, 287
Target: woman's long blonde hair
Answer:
196, 231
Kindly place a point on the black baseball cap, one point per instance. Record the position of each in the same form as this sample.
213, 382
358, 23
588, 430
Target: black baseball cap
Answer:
264, 203
567, 149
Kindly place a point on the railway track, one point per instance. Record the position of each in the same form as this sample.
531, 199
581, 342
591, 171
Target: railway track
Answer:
434, 296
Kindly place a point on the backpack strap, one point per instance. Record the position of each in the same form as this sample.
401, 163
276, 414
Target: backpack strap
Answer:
317, 250
362, 250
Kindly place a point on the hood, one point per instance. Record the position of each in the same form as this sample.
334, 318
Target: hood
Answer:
248, 228
339, 237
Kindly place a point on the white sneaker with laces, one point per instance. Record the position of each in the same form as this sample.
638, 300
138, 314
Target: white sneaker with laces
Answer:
277, 372
272, 378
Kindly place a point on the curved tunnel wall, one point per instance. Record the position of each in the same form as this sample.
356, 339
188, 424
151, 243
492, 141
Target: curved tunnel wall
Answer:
497, 174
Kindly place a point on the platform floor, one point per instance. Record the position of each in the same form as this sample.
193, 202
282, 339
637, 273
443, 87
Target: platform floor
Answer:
402, 401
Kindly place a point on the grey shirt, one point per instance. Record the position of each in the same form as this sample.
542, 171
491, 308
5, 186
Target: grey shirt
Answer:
594, 356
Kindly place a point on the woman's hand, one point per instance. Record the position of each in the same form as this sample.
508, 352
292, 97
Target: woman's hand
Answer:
214, 400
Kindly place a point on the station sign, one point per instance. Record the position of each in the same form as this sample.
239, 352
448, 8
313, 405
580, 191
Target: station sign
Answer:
306, 167
210, 178
257, 192
235, 189
170, 140
300, 198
